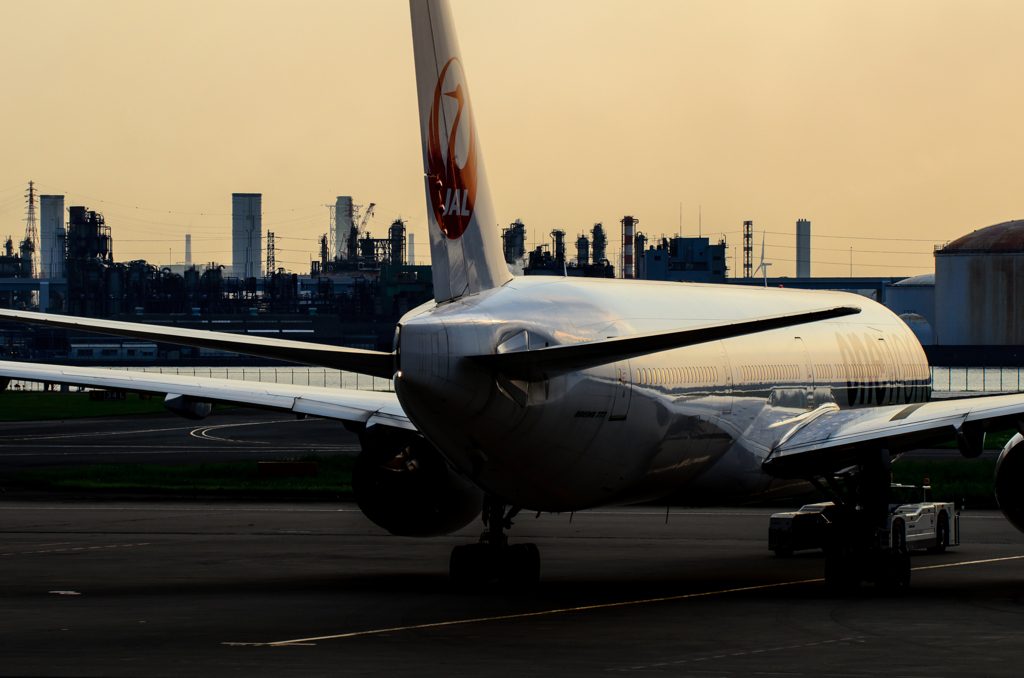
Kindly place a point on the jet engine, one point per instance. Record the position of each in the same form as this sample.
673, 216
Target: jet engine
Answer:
403, 484
187, 407
1010, 481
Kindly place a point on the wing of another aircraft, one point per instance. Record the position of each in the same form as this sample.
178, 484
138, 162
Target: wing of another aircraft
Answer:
830, 438
362, 407
375, 363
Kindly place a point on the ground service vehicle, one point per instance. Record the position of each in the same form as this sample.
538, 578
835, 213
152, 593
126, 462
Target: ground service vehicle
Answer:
911, 525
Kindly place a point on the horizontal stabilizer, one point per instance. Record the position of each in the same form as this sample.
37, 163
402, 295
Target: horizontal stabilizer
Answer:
375, 363
549, 362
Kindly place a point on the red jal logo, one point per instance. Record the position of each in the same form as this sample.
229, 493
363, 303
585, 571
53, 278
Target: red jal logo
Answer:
453, 188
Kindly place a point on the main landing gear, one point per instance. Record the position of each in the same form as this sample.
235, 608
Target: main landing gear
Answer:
864, 542
493, 558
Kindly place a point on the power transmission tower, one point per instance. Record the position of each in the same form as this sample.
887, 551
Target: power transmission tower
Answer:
748, 249
32, 231
271, 254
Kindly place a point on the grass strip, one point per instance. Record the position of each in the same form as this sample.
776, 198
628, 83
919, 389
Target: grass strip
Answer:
334, 477
970, 482
43, 405
993, 441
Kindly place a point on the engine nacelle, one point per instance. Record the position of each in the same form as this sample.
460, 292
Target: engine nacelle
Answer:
1010, 481
403, 484
187, 407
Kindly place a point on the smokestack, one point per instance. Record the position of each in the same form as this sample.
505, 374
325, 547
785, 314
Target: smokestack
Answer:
188, 249
803, 248
412, 250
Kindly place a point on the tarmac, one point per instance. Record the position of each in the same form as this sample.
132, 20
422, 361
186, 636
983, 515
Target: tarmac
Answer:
121, 586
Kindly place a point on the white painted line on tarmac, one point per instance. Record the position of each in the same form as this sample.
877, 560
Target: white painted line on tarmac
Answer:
161, 449
210, 509
968, 562
202, 431
583, 608
77, 548
524, 615
106, 433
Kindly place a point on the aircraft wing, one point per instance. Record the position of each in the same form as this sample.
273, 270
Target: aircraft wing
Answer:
829, 438
361, 407
376, 363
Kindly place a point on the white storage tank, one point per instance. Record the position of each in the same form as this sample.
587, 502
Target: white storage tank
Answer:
913, 296
979, 288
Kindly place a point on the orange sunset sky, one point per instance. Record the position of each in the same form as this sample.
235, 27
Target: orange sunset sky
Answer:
891, 126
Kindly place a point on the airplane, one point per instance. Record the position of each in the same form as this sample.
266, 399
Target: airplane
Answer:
561, 394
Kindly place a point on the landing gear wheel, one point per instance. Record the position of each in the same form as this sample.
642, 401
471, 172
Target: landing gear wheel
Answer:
941, 535
473, 565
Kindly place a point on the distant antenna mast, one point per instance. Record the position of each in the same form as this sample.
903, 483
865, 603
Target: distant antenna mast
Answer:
271, 254
748, 249
700, 229
32, 230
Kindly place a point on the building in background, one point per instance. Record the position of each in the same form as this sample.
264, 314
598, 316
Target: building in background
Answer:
247, 235
52, 236
683, 259
803, 248
554, 260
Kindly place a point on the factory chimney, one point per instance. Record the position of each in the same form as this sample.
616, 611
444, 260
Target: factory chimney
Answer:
803, 248
628, 230
188, 249
246, 235
51, 255
412, 250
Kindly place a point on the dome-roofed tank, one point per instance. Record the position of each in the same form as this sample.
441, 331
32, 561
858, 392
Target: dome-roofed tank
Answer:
923, 279
919, 326
1005, 237
979, 288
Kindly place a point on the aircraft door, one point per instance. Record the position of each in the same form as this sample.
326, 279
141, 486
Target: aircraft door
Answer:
623, 391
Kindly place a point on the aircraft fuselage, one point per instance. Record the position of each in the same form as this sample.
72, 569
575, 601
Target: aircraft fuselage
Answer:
692, 422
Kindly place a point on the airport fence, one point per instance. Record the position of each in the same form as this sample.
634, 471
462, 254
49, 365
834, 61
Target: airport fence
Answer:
951, 379
299, 376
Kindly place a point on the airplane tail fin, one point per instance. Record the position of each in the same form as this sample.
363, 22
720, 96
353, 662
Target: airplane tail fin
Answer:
465, 243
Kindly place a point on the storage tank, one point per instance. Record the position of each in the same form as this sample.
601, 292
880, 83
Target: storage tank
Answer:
920, 327
582, 250
914, 296
396, 234
600, 243
558, 236
979, 288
